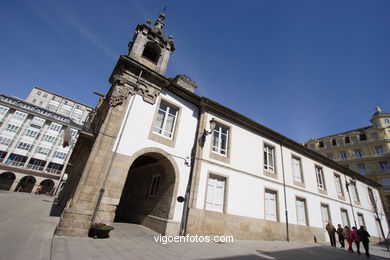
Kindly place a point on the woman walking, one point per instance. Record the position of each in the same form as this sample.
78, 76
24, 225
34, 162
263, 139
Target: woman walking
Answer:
347, 235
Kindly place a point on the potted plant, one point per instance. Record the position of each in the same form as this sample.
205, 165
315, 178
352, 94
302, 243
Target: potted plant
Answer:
100, 230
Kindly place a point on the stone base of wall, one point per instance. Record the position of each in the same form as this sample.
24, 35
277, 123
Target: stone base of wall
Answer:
204, 222
73, 224
160, 225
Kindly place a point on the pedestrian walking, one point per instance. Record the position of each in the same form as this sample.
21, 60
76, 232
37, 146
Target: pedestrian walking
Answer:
347, 235
364, 235
355, 237
332, 233
340, 233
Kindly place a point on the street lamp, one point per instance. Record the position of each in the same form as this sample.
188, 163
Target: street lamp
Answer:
205, 133
351, 182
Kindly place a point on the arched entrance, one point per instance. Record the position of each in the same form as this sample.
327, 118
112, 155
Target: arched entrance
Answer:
149, 193
47, 186
6, 180
26, 184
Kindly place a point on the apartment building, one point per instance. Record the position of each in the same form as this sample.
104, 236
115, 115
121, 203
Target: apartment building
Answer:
365, 150
61, 105
31, 146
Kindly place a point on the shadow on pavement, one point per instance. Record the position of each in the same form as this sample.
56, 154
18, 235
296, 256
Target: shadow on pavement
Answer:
317, 253
56, 210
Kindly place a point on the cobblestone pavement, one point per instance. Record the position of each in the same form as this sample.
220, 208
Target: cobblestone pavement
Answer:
130, 241
27, 233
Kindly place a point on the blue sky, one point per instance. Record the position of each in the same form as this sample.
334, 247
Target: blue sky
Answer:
303, 68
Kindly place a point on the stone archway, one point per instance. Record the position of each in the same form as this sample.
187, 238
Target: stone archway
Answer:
26, 184
6, 180
47, 186
149, 194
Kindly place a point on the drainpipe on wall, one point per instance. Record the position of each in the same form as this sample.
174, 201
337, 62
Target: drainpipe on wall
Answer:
184, 218
103, 188
284, 191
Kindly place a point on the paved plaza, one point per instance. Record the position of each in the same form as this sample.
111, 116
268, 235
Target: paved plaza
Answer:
27, 233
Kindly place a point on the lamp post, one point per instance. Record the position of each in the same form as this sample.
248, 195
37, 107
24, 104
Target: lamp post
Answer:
205, 133
351, 182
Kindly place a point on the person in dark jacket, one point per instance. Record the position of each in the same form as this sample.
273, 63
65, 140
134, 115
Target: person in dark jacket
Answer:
331, 232
364, 235
340, 233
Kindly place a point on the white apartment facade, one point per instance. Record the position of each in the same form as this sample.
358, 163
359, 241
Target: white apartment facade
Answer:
159, 155
67, 107
31, 146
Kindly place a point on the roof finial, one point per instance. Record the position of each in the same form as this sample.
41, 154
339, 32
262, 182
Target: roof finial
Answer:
159, 24
378, 109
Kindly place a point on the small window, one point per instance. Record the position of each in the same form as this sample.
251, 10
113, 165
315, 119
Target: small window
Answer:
320, 178
362, 168
347, 140
344, 217
343, 155
383, 166
357, 153
151, 52
271, 205
361, 220
39, 93
269, 158
334, 143
374, 136
45, 95
296, 168
354, 139
34, 100
220, 139
379, 150
321, 144
325, 214
363, 137
339, 186
354, 192
154, 185
165, 121
387, 121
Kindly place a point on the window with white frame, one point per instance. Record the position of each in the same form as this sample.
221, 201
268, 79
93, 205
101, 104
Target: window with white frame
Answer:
43, 150
361, 220
270, 201
60, 155
344, 217
37, 122
301, 211
3, 111
220, 139
339, 186
165, 121
154, 185
354, 192
320, 178
215, 193
55, 127
31, 133
5, 140
296, 169
24, 146
325, 214
12, 128
49, 138
269, 158
20, 116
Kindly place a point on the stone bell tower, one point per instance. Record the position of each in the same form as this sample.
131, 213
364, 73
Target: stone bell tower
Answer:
98, 172
150, 46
